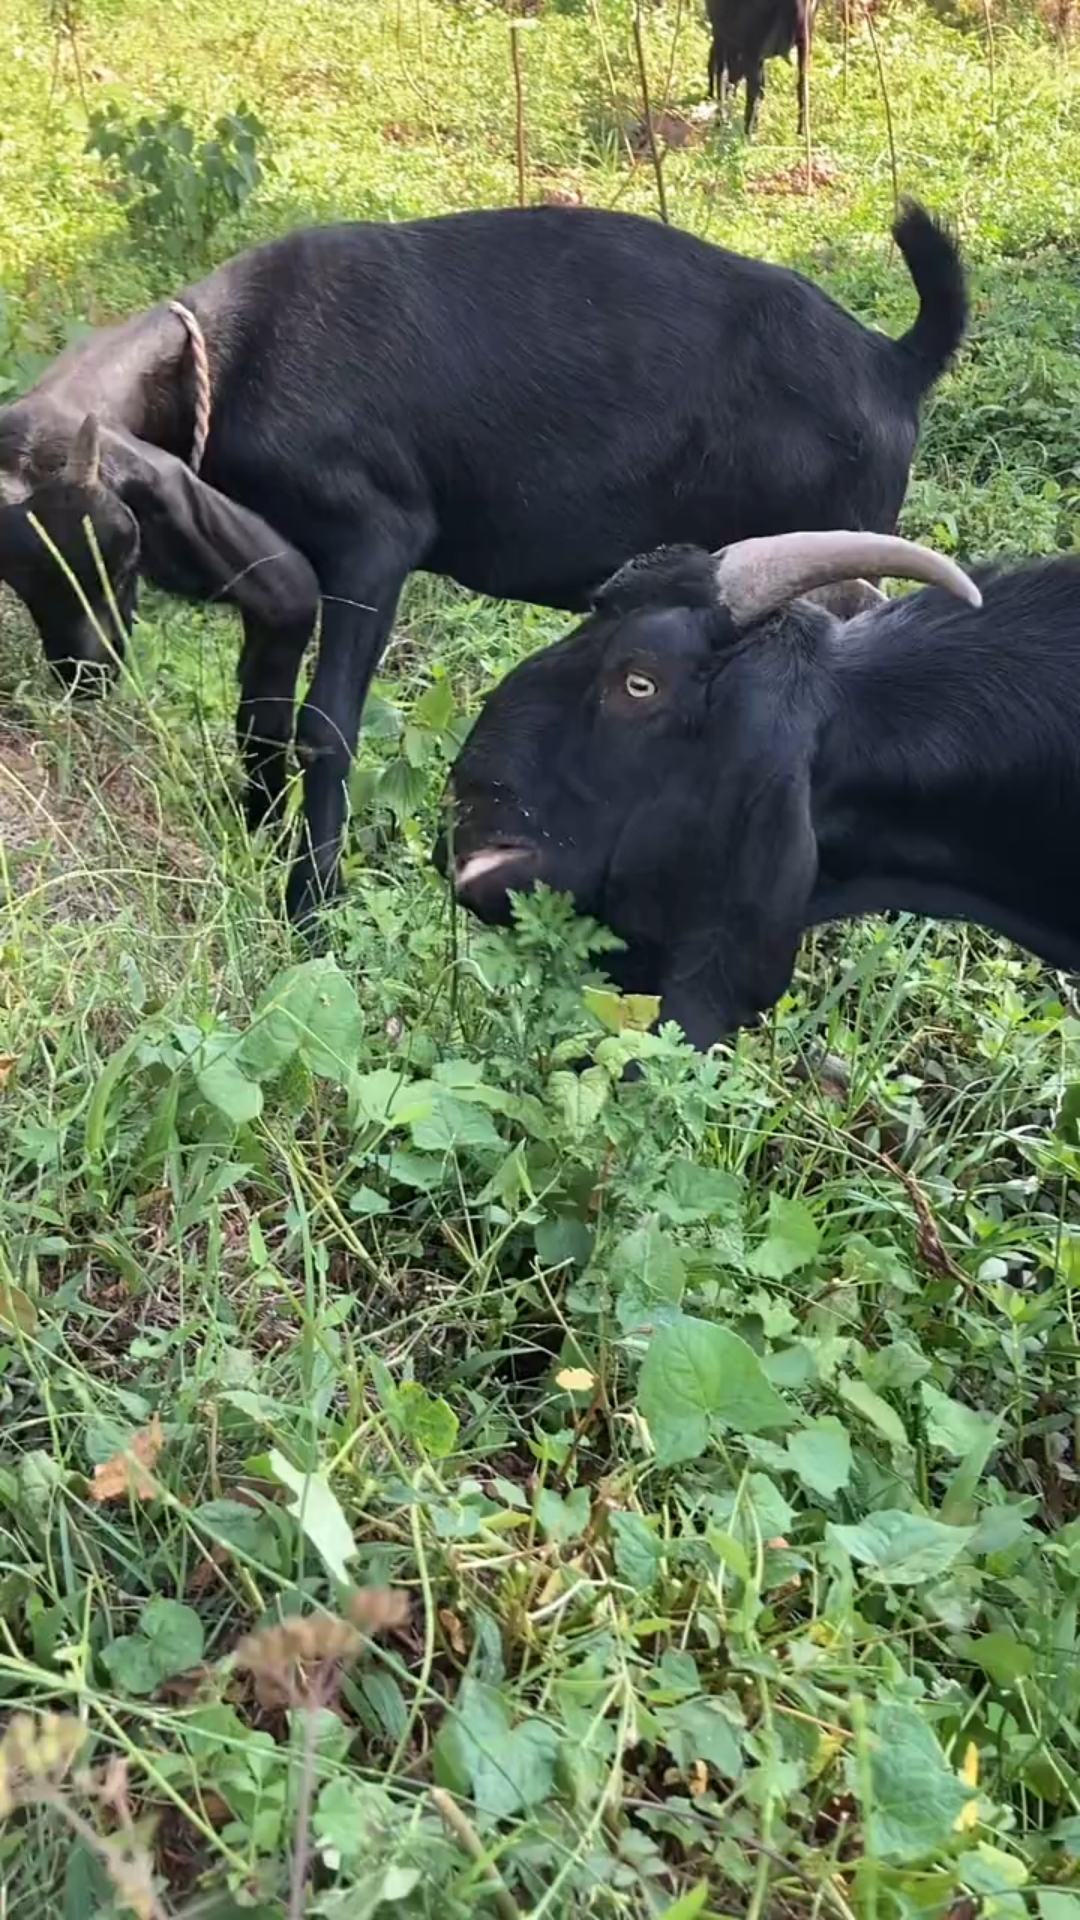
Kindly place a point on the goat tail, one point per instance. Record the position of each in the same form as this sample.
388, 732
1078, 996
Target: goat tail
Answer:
933, 260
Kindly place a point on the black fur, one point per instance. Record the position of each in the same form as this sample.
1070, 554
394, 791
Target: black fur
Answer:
521, 400
924, 757
746, 33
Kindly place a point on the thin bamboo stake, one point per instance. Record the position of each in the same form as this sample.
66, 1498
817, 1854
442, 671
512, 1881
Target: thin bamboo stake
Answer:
519, 108
650, 130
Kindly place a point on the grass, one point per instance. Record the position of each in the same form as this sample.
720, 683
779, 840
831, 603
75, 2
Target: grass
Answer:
431, 1480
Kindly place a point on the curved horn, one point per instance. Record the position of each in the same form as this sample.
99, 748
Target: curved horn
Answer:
848, 598
755, 576
83, 465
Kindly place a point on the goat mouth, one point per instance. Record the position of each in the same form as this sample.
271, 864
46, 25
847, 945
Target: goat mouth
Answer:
502, 857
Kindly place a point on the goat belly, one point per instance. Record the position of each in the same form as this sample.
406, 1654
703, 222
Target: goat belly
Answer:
1055, 946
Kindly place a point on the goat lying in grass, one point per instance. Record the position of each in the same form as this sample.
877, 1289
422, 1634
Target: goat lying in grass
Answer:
518, 399
712, 764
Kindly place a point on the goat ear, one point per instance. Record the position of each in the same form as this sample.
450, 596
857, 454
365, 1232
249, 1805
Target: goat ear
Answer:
846, 598
83, 465
18, 539
201, 545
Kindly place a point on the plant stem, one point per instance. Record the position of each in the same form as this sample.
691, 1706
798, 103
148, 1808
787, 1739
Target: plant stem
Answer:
465, 1833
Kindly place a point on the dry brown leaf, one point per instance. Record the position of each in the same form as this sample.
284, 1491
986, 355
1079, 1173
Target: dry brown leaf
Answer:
208, 1572
126, 1472
378, 1609
7, 1061
454, 1631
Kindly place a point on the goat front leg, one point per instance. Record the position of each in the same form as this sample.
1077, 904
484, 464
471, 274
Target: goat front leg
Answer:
269, 667
356, 620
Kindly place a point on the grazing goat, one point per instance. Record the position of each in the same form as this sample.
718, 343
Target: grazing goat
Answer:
711, 764
519, 399
746, 33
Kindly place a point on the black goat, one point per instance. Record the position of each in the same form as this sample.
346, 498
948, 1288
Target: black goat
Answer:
746, 33
711, 765
518, 399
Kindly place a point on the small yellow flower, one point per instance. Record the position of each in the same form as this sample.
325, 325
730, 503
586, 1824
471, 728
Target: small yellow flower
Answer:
575, 1380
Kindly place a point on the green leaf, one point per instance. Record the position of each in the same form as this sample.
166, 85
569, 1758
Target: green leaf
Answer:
510, 1767
914, 1796
702, 1729
882, 1266
959, 1501
952, 1427
132, 1664
561, 1519
435, 707
387, 1098
454, 1123
381, 719
17, 1310
694, 1193
424, 1172
228, 1090
580, 1098
521, 1773
237, 1525
319, 1515
999, 1654
648, 1274
874, 1409
351, 1816
792, 1240
367, 1202
820, 1455
637, 1550
761, 1514
562, 1240
429, 1423
310, 1009
901, 1549
175, 1634
1054, 1903
87, 1891
689, 1905
988, 1869
622, 1012
695, 1371
895, 1368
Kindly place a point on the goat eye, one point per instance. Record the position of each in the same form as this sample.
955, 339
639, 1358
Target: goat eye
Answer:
639, 686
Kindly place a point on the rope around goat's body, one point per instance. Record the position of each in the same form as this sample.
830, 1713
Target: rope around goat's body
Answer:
201, 361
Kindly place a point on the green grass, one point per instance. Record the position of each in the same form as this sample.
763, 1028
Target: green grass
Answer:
714, 1436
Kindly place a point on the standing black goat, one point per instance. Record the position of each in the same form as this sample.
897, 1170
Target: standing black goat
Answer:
518, 399
746, 33
711, 764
